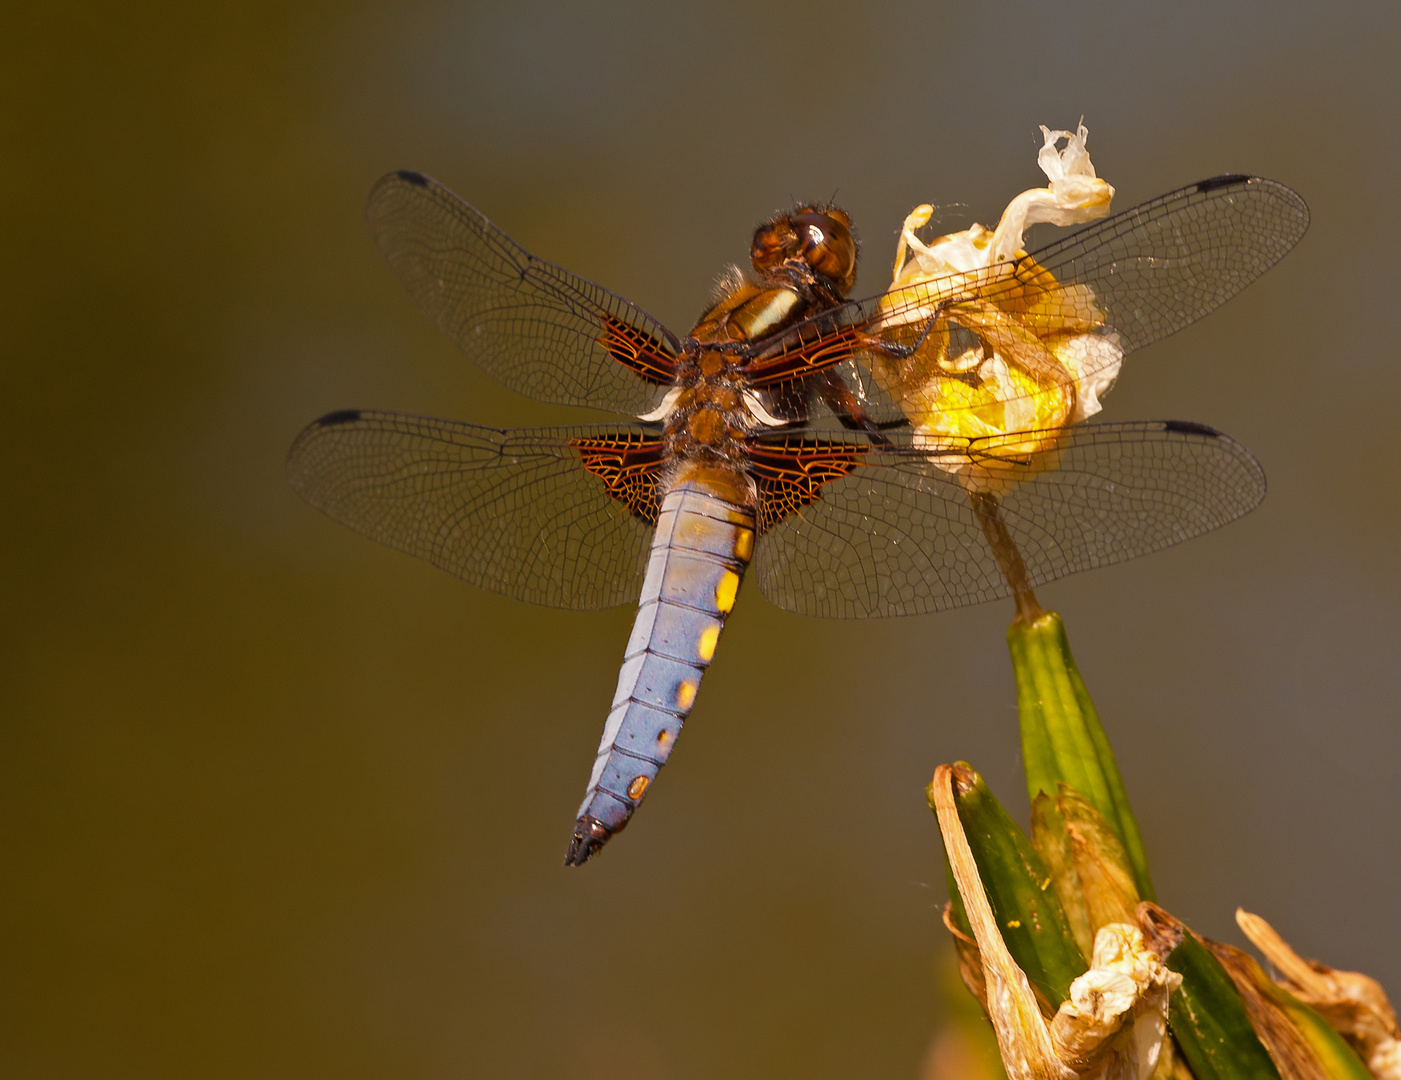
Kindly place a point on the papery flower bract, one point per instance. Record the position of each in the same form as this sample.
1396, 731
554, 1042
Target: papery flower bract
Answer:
1030, 360
1115, 1021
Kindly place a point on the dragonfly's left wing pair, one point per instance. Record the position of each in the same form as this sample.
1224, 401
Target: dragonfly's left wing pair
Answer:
563, 516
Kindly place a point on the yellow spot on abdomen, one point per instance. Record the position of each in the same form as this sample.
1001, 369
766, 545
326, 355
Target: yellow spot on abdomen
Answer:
664, 738
744, 544
705, 648
637, 787
725, 591
685, 695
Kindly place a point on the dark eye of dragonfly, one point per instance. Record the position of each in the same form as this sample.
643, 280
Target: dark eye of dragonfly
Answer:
829, 247
821, 238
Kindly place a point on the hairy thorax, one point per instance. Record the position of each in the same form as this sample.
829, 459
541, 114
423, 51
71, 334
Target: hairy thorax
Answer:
804, 261
712, 410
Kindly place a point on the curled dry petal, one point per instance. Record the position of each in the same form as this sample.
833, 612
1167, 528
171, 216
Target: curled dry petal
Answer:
1075, 194
1354, 1004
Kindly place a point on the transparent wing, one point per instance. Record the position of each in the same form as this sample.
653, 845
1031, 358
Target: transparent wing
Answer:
1160, 266
1114, 286
529, 324
542, 515
897, 535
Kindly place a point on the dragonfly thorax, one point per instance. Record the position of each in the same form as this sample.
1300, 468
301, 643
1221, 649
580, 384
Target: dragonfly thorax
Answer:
708, 418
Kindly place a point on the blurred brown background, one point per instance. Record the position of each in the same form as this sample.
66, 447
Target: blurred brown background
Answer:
277, 802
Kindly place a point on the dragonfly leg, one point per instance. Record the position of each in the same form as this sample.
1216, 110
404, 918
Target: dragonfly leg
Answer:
846, 406
895, 350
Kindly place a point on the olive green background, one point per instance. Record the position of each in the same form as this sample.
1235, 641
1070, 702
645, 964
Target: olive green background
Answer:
277, 802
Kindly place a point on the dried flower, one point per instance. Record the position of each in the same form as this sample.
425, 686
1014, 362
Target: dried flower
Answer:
1115, 1022
1029, 360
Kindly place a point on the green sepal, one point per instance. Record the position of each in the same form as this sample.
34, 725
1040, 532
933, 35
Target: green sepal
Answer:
1209, 1021
1018, 886
1062, 740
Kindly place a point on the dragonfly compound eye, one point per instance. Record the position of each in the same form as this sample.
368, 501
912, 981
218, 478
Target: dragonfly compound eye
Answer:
828, 245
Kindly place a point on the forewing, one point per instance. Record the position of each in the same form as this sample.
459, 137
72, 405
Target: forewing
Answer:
1133, 279
1160, 266
554, 516
529, 324
897, 534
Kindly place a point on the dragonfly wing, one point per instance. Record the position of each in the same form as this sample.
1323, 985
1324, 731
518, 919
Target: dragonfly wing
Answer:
1114, 286
892, 533
554, 516
1162, 265
529, 324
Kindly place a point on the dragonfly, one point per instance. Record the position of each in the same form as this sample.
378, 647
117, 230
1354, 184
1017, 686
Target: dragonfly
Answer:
776, 438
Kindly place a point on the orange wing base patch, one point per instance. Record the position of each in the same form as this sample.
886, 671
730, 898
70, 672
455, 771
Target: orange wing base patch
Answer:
810, 353
630, 466
637, 351
789, 475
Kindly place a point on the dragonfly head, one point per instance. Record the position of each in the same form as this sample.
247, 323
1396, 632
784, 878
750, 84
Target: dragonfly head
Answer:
814, 240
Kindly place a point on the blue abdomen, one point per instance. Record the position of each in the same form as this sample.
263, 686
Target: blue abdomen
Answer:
702, 545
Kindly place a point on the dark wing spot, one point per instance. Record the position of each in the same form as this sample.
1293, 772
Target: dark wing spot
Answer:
411, 177
1191, 427
340, 416
1224, 180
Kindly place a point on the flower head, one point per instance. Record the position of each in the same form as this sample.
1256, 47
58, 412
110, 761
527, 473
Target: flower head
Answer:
1010, 351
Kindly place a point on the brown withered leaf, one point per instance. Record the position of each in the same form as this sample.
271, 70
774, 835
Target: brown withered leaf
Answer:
1162, 932
1287, 1046
970, 961
1355, 1005
1090, 870
1052, 843
1106, 877
1023, 1039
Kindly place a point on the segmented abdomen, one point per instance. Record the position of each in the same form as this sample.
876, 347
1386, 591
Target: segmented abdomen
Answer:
702, 545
